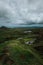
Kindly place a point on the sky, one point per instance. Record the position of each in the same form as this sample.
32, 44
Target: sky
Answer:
21, 12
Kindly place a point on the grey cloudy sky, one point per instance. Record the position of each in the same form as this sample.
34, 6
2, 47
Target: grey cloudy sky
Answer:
21, 12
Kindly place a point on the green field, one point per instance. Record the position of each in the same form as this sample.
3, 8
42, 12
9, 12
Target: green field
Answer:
19, 52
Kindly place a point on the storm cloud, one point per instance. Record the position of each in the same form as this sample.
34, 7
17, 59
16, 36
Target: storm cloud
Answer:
21, 12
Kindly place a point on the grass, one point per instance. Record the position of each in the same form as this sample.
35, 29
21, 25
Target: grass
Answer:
22, 54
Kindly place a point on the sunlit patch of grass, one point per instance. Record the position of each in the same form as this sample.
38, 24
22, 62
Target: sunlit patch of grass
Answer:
28, 39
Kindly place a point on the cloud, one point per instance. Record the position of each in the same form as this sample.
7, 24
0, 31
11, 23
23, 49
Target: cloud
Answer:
21, 12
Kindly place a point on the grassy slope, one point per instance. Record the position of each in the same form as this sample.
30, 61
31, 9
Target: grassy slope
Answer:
22, 54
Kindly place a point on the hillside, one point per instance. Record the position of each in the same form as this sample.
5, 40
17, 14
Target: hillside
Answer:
14, 49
